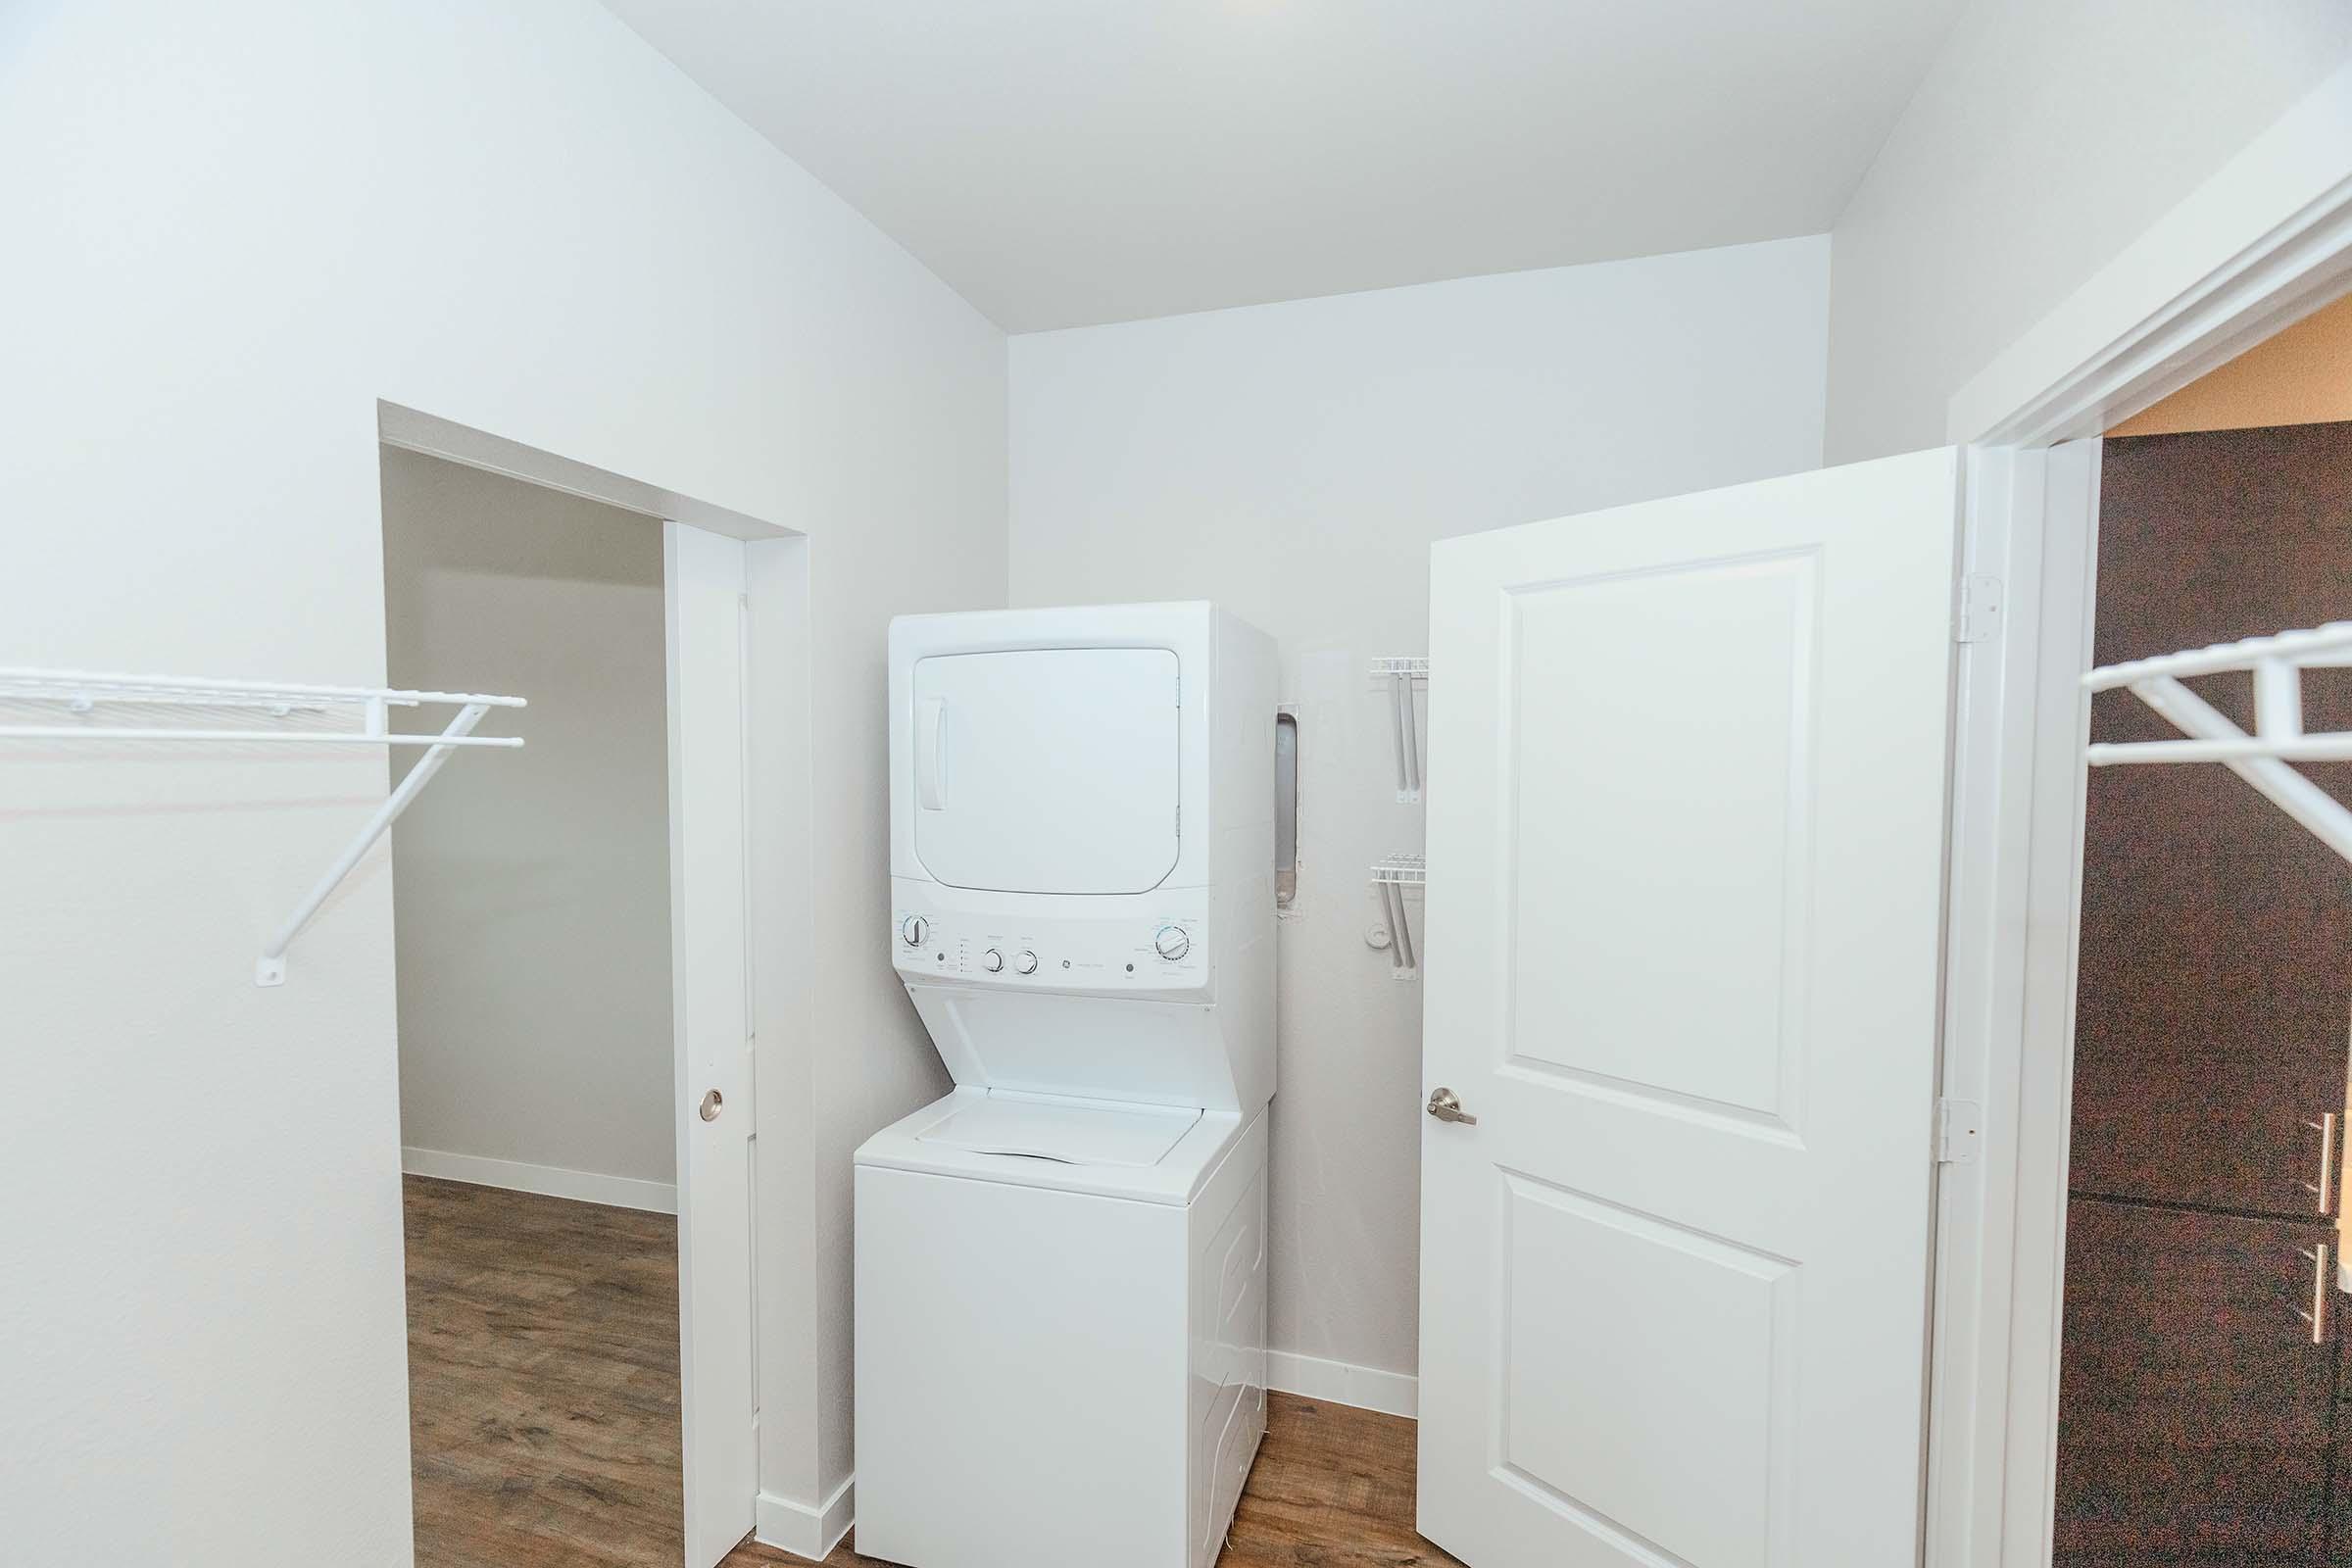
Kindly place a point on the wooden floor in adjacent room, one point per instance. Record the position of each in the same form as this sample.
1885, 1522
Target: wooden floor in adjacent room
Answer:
542, 1386
543, 1381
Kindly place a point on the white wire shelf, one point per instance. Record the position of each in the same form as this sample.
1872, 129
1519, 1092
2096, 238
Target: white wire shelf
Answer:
1401, 675
2262, 759
1391, 876
2329, 646
85, 695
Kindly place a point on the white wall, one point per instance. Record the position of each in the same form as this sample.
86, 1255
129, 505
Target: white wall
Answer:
2048, 134
232, 229
1295, 462
530, 889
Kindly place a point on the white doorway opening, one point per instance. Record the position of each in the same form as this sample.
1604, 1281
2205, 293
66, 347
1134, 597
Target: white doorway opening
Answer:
579, 994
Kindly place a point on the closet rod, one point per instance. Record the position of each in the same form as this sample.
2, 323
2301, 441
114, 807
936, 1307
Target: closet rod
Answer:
244, 737
117, 687
2256, 761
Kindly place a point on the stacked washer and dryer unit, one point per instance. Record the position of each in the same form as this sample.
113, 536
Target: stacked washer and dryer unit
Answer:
1061, 1266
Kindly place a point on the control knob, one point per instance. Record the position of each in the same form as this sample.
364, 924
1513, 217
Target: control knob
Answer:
1026, 964
1172, 942
913, 929
992, 960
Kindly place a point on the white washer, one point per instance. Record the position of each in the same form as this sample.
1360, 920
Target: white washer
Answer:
1061, 1266
1059, 1371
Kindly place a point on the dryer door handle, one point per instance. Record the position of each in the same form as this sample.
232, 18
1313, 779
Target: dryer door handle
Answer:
930, 753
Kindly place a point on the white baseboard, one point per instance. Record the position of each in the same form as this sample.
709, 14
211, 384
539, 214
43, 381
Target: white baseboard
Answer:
1339, 1383
551, 1181
803, 1531
812, 1533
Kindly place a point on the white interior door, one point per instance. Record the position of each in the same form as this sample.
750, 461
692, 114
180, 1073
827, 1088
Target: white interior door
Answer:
709, 984
1683, 914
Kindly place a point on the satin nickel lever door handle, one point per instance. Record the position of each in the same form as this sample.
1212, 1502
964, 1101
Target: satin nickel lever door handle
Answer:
1446, 1107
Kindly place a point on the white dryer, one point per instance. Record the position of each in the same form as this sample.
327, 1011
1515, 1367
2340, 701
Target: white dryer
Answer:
1060, 1268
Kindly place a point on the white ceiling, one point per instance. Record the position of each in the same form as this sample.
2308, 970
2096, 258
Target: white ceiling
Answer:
1068, 162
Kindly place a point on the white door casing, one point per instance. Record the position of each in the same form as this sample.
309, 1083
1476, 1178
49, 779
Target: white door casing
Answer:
1684, 945
709, 985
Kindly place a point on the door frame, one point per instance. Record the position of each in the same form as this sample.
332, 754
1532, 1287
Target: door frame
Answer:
2262, 243
769, 716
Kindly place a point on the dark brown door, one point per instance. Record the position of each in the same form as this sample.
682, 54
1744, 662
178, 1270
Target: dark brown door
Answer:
2195, 1409
2217, 935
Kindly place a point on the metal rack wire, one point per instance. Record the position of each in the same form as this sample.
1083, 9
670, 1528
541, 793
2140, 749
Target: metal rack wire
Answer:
2262, 759
1403, 675
85, 695
1391, 876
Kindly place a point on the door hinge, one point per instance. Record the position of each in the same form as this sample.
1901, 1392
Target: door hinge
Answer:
1959, 1131
1976, 612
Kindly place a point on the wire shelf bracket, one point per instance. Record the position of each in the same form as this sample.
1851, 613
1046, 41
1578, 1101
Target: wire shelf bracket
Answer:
1391, 876
1401, 675
2262, 759
85, 694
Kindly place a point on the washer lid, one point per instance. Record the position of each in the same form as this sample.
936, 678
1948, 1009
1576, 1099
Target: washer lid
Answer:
1061, 1131
1176, 1179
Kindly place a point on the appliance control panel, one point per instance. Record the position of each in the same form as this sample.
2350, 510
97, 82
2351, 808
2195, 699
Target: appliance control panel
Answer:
1139, 949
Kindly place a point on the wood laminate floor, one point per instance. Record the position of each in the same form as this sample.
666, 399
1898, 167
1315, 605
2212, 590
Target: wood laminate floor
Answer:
1333, 1488
543, 1381
543, 1389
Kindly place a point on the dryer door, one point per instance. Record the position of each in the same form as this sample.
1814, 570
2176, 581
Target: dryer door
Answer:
1047, 770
